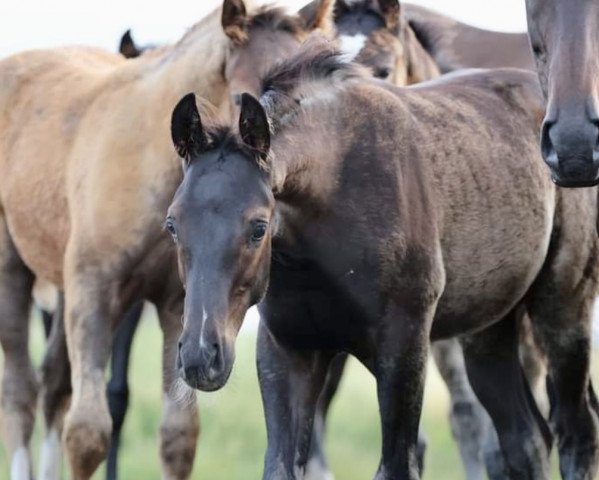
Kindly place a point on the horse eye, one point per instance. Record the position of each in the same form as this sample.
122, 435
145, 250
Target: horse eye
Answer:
170, 226
258, 231
382, 72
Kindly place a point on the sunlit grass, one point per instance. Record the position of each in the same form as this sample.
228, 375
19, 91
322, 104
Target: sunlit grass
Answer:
232, 440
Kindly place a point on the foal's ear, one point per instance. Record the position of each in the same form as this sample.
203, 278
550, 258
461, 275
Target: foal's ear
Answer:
253, 125
391, 12
186, 128
127, 47
234, 21
319, 15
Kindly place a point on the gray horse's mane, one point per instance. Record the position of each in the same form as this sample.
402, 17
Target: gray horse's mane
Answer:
316, 60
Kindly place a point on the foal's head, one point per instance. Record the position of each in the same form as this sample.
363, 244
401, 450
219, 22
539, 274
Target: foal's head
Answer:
565, 39
259, 39
376, 34
222, 221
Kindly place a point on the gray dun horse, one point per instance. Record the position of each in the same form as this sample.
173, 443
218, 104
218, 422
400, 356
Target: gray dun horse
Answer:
371, 219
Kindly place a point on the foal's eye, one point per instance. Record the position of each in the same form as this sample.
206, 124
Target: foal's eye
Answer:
258, 231
169, 224
383, 72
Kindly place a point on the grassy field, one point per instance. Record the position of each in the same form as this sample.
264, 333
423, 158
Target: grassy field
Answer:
232, 440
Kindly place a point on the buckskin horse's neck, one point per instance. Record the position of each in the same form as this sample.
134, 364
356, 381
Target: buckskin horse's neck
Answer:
194, 64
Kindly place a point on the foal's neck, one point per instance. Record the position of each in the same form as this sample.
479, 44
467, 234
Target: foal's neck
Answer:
305, 174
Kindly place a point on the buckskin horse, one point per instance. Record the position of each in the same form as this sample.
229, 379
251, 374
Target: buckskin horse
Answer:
91, 222
401, 230
565, 42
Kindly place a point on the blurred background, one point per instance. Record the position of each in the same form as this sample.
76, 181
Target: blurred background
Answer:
232, 441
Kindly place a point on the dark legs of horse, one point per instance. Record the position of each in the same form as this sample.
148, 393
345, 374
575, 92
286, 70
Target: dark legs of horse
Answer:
399, 366
118, 386
498, 380
47, 322
470, 424
317, 468
564, 332
19, 384
56, 383
291, 382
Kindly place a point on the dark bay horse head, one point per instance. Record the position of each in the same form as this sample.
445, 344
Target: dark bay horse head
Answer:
565, 40
262, 37
222, 220
376, 34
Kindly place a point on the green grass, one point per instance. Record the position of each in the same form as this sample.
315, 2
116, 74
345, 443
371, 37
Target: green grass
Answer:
232, 439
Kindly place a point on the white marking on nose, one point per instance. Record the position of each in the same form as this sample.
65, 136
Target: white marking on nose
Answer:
204, 318
19, 466
50, 457
351, 45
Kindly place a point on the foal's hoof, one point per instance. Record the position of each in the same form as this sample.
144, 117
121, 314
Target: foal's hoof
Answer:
86, 437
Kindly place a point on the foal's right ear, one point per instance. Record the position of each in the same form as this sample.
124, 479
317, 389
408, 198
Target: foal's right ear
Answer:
186, 128
253, 125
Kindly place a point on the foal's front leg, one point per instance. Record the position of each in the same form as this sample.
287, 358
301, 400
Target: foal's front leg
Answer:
400, 370
290, 381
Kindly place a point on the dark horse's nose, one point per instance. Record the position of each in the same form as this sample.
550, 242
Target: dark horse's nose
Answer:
570, 149
201, 364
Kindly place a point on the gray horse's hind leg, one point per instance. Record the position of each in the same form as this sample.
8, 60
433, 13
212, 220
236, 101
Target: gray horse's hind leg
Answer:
497, 377
317, 467
470, 424
19, 384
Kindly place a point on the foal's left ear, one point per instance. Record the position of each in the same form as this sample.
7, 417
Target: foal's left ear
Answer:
253, 125
391, 12
186, 128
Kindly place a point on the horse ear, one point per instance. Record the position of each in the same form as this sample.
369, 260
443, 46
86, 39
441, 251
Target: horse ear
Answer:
234, 20
127, 47
253, 125
421, 65
319, 15
186, 128
391, 12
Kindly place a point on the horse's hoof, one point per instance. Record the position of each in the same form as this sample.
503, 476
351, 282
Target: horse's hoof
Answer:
86, 438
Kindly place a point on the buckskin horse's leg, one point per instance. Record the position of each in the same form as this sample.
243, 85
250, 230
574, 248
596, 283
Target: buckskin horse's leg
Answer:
497, 377
290, 382
118, 386
92, 305
400, 370
19, 385
470, 423
180, 427
56, 393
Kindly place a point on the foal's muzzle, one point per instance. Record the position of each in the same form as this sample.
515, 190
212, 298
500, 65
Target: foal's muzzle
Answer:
203, 365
